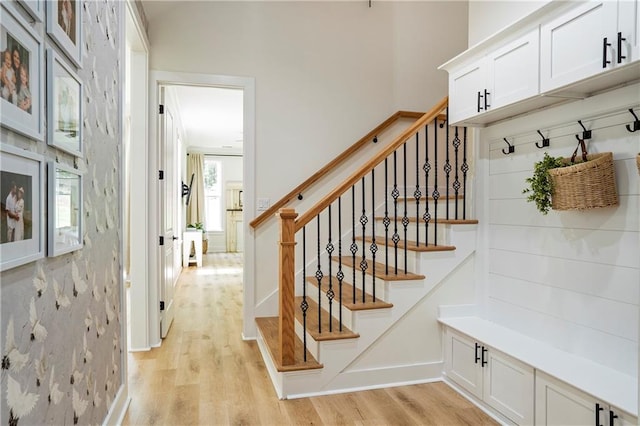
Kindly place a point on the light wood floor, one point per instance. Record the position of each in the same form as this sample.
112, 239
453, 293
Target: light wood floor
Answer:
205, 374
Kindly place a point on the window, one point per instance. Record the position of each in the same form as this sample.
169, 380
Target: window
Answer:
213, 194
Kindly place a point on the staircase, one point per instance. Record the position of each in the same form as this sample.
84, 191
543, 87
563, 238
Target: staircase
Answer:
355, 267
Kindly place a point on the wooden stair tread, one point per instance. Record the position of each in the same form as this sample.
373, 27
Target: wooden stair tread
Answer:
347, 295
312, 323
442, 221
380, 270
268, 327
411, 245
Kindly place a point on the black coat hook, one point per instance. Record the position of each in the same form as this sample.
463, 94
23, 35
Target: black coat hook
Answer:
545, 141
511, 148
636, 122
586, 134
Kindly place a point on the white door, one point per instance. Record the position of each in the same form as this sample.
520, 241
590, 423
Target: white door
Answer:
509, 387
561, 405
629, 29
513, 70
467, 91
573, 46
464, 362
168, 203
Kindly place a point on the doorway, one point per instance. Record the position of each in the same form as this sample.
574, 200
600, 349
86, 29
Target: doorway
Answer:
178, 82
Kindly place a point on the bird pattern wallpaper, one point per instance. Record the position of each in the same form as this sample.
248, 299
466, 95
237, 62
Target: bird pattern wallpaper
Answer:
61, 329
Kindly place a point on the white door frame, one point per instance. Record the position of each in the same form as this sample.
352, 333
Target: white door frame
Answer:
139, 248
247, 84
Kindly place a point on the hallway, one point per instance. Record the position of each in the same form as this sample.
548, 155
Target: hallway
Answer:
204, 374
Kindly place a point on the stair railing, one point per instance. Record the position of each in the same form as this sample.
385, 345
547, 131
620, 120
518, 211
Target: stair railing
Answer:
366, 194
331, 165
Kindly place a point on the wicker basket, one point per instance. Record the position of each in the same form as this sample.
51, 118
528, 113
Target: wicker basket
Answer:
638, 162
585, 185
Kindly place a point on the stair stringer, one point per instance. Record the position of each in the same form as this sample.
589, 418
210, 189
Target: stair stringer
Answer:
336, 356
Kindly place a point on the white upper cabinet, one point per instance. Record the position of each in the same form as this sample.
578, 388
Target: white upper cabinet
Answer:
562, 50
501, 77
590, 39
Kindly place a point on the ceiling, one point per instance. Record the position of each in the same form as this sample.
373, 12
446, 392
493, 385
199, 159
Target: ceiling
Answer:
212, 118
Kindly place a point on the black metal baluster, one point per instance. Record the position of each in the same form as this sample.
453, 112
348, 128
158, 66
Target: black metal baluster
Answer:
354, 246
417, 194
456, 181
395, 194
447, 166
436, 193
386, 221
330, 292
319, 276
374, 246
363, 262
304, 306
405, 219
427, 167
465, 169
340, 274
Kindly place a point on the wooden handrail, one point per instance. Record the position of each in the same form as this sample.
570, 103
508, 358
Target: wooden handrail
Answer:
271, 211
369, 165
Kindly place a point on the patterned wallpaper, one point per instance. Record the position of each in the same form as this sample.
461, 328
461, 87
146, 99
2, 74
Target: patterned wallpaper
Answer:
61, 325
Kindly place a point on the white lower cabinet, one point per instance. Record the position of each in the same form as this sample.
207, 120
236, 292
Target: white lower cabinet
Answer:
501, 382
558, 403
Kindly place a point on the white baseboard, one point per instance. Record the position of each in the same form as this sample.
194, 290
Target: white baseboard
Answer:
377, 378
142, 349
118, 408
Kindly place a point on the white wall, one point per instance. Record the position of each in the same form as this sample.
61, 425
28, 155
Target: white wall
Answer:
569, 278
489, 17
326, 73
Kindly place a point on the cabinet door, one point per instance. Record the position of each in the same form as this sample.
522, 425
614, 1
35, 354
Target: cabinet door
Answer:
572, 45
622, 419
462, 366
464, 86
628, 15
513, 70
560, 404
509, 387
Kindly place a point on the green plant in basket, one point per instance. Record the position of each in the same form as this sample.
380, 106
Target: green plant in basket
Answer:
540, 187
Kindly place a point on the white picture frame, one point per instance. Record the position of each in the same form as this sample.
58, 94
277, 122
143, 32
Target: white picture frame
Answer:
22, 103
21, 169
35, 8
65, 218
64, 106
64, 26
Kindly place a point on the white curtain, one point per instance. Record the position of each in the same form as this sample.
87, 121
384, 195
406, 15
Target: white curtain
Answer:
195, 209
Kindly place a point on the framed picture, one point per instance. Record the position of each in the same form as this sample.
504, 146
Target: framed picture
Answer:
35, 8
65, 209
22, 202
21, 77
64, 27
64, 106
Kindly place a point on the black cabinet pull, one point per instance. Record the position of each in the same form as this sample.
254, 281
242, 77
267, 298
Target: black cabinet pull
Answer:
604, 53
598, 409
612, 417
477, 356
620, 55
484, 351
479, 97
486, 100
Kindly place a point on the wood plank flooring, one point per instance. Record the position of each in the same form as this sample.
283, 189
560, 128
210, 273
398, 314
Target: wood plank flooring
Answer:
205, 374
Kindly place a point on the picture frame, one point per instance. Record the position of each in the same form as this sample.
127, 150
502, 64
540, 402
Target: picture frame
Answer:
35, 8
22, 239
65, 218
21, 76
64, 26
64, 106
